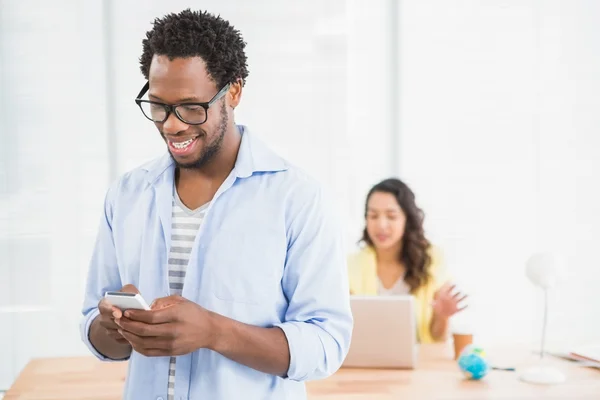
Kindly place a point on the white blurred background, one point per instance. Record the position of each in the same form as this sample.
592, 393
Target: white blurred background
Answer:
489, 110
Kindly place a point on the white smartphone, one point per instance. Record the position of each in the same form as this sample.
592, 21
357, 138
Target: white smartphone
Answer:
126, 301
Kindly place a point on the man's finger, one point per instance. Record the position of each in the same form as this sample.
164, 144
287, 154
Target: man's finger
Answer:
105, 307
147, 330
116, 312
122, 340
117, 337
129, 288
107, 324
462, 308
147, 343
164, 302
135, 341
114, 334
161, 316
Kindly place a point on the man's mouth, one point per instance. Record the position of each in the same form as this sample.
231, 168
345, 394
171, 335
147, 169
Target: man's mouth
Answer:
182, 147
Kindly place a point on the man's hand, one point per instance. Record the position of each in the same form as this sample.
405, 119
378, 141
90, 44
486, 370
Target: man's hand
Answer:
446, 303
108, 313
174, 326
104, 334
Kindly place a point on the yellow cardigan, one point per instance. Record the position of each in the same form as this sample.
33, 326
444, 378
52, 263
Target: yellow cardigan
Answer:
362, 275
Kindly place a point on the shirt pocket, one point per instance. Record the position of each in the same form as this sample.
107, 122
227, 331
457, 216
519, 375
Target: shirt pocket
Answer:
246, 265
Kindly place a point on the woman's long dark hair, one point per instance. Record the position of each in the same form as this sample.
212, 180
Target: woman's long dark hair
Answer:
414, 254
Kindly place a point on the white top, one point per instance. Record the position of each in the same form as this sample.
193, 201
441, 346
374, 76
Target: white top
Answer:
400, 288
185, 224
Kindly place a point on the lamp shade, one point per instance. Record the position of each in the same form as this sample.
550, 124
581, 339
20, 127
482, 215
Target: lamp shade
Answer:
542, 270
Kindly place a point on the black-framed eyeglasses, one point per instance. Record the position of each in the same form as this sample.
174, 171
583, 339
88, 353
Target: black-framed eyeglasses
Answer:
189, 113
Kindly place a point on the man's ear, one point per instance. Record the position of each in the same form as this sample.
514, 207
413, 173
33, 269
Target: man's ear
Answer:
234, 95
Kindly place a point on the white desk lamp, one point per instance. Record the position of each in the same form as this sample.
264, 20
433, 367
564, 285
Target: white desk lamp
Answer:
542, 271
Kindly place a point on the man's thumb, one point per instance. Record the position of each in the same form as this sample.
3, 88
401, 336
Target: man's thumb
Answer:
129, 288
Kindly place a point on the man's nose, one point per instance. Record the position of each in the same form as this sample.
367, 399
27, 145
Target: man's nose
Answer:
173, 125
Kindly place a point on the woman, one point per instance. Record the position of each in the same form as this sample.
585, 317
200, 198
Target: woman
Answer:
397, 259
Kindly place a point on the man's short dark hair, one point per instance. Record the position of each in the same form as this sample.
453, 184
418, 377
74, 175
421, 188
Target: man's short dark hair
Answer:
198, 34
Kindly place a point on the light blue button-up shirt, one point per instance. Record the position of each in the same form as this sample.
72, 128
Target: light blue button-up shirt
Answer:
269, 253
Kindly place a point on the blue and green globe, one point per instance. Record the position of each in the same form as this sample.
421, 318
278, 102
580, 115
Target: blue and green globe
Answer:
473, 362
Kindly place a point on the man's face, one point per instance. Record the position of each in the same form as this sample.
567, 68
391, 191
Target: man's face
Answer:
185, 80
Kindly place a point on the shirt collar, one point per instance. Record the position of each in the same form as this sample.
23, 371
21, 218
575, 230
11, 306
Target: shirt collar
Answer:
253, 156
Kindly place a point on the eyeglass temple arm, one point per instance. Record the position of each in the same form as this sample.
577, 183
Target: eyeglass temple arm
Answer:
221, 93
143, 91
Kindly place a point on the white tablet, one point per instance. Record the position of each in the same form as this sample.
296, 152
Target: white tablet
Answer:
384, 334
127, 301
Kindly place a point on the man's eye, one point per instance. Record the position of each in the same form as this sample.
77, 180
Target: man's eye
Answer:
191, 108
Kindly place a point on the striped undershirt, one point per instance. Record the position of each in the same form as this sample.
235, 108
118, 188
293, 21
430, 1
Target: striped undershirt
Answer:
184, 227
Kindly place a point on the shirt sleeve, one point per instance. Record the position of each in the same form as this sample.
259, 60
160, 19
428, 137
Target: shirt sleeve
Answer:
103, 273
318, 322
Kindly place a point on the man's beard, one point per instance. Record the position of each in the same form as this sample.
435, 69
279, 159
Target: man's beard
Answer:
211, 149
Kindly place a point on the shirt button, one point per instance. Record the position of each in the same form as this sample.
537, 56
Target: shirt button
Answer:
159, 398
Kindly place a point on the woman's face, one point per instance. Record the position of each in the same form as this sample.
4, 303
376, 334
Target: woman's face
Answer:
385, 220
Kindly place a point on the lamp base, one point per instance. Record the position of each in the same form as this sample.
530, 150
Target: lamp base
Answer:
542, 375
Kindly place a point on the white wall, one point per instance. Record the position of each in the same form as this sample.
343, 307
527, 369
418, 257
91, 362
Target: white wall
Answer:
54, 173
499, 139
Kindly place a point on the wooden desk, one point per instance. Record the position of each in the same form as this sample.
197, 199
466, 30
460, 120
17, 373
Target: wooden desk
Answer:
437, 377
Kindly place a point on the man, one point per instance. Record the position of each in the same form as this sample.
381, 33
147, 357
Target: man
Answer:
234, 246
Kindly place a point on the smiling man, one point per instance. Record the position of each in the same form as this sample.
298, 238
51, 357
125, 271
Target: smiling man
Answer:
235, 247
